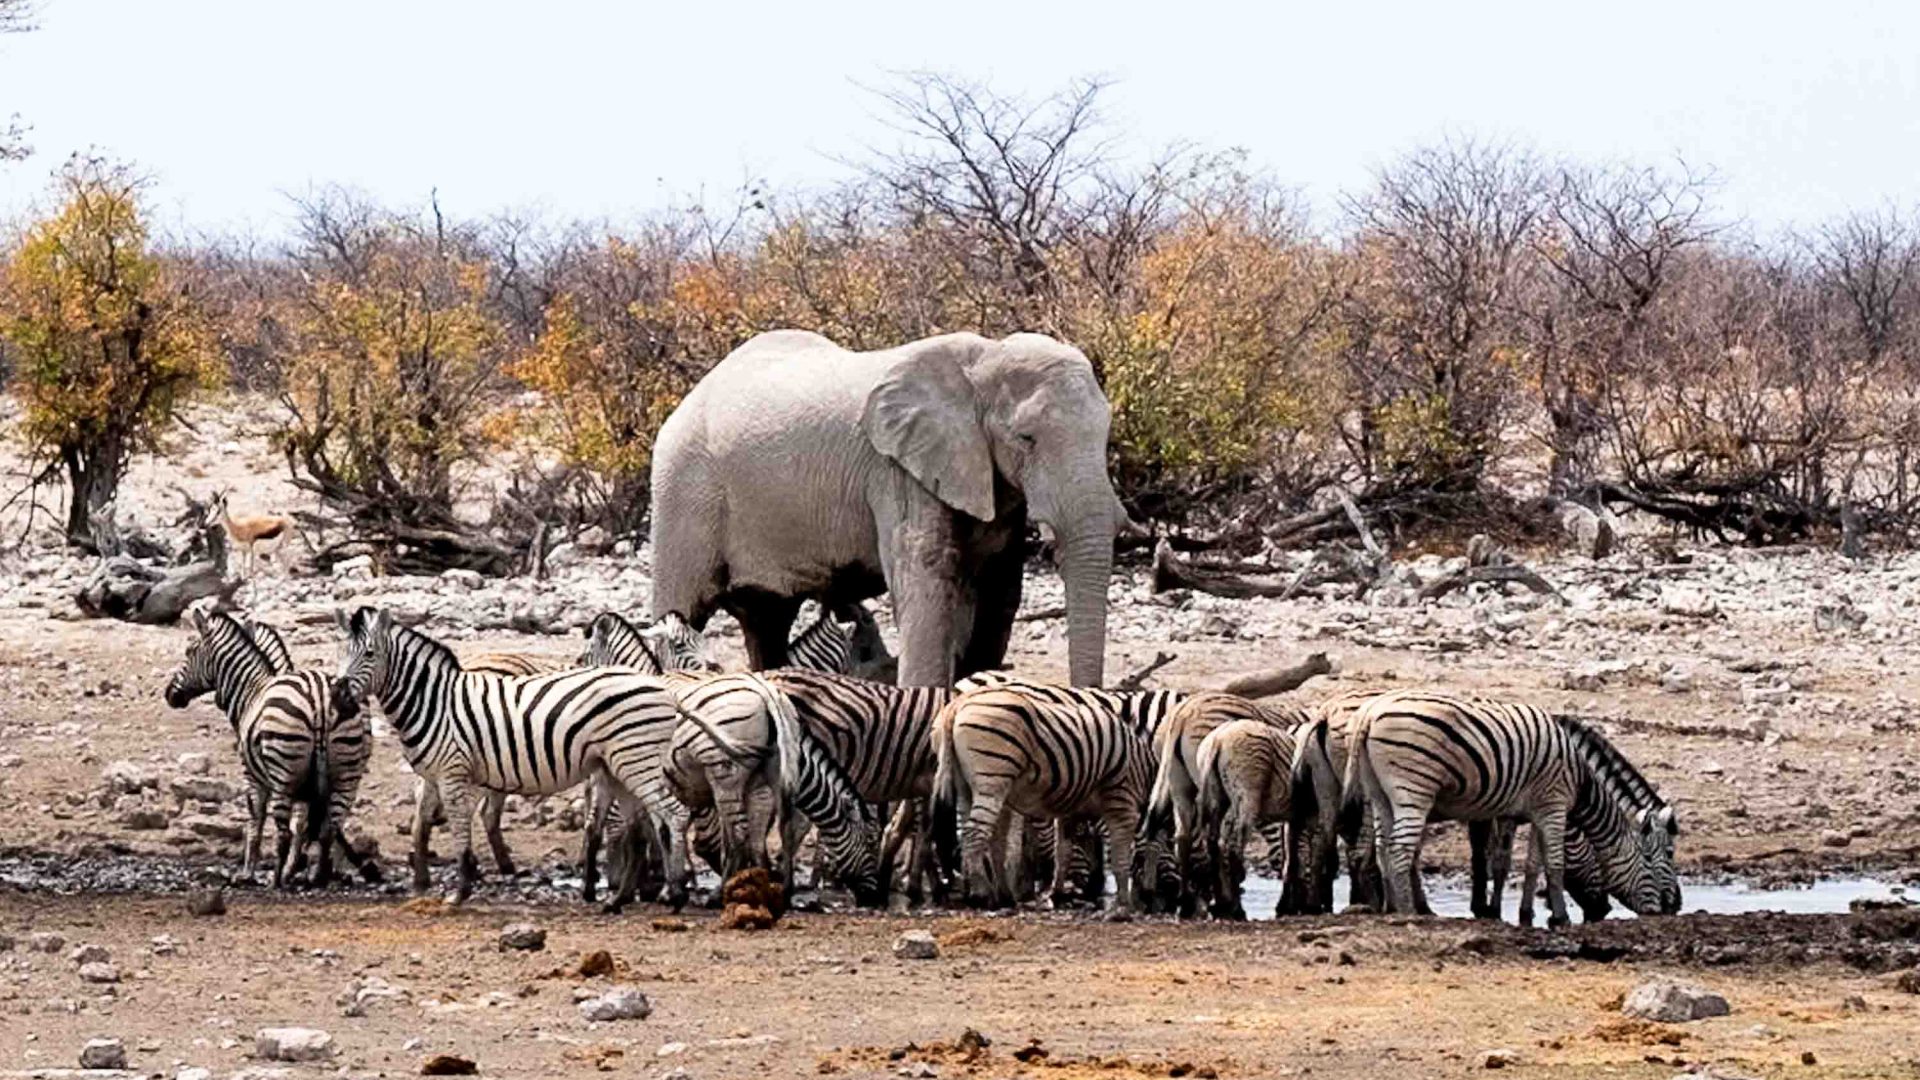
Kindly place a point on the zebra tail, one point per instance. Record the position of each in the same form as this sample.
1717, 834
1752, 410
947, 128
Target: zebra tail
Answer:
720, 738
1353, 795
944, 808
320, 798
1212, 795
1160, 802
1303, 802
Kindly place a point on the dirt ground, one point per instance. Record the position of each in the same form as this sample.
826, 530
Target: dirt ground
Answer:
1785, 734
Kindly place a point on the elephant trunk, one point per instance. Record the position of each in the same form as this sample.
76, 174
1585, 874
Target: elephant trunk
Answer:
1086, 565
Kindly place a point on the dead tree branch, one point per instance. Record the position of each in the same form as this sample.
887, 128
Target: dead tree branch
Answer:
1139, 678
1279, 680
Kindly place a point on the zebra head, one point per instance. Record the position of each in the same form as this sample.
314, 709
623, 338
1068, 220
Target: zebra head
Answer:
678, 646
196, 673
363, 657
612, 641
1658, 830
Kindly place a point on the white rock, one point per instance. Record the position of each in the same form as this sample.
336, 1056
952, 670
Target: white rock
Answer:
99, 973
292, 1044
916, 945
46, 941
89, 954
103, 1054
124, 777
194, 763
523, 936
193, 1072
201, 789
618, 1003
1673, 1002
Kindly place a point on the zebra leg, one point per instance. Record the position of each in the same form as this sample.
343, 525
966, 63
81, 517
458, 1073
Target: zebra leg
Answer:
679, 869
592, 836
901, 823
456, 793
1530, 876
494, 804
1058, 887
1123, 824
1186, 814
426, 807
760, 799
1229, 866
982, 846
256, 824
282, 841
1552, 829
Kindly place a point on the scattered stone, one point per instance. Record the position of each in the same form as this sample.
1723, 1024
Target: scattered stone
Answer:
678, 1072
596, 964
1673, 1003
294, 1044
525, 937
670, 1049
741, 1042
126, 778
164, 945
619, 1003
211, 827
1908, 982
448, 1065
671, 926
46, 942
193, 1072
205, 903
916, 945
1498, 1059
194, 763
201, 789
143, 818
99, 973
89, 954
1834, 838
103, 1054
368, 993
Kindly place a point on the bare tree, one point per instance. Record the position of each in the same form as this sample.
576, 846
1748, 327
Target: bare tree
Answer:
16, 17
1448, 228
1002, 178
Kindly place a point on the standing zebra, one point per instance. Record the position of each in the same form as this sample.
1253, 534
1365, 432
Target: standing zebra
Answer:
1045, 751
800, 770
1245, 772
1176, 782
536, 735
1415, 755
294, 744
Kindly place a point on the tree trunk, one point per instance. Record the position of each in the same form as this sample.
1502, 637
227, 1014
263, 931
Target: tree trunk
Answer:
91, 485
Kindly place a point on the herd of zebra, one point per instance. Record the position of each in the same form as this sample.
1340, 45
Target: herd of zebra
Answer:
997, 785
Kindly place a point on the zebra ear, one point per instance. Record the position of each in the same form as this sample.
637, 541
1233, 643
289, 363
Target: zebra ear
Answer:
344, 620
200, 620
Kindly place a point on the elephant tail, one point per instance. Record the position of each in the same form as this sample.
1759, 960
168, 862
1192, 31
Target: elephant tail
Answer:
947, 792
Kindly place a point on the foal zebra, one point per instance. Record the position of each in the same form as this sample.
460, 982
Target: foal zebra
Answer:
1176, 782
1045, 751
1245, 779
537, 735
294, 744
1415, 755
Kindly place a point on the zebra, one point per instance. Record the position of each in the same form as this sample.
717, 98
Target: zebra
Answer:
1045, 751
1176, 779
536, 735
805, 774
1319, 765
851, 646
668, 644
1415, 754
1245, 773
294, 744
428, 809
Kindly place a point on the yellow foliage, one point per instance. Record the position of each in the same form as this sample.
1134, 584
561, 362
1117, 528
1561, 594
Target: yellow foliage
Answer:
106, 343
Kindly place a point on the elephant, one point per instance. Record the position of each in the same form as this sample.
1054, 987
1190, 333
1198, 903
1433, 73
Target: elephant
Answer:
799, 469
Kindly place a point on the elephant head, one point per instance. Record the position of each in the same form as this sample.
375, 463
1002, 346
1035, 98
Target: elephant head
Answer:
955, 411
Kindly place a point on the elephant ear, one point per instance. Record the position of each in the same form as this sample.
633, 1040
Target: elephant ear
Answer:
925, 415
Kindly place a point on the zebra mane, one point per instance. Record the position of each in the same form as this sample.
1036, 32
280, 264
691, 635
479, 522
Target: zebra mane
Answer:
435, 652
1608, 767
246, 638
818, 629
608, 624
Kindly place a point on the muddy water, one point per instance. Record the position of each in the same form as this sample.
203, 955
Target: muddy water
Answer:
1449, 896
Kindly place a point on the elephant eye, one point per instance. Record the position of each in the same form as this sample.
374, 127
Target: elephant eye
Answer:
1025, 439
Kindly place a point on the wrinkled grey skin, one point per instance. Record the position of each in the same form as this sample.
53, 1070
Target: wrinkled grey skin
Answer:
798, 469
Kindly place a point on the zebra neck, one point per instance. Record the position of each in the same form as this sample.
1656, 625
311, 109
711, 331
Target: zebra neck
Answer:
421, 686
239, 683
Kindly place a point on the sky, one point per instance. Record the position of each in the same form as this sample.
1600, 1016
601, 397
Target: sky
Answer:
593, 110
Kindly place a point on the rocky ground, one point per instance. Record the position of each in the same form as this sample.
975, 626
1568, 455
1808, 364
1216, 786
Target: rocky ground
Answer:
1770, 695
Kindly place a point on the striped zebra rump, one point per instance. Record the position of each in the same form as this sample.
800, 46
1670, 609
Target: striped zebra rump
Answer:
1045, 751
285, 726
880, 734
1418, 755
1245, 786
811, 783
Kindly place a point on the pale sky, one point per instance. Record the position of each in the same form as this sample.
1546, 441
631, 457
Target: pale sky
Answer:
611, 109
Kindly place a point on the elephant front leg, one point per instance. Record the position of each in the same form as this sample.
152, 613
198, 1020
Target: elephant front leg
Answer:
924, 582
996, 587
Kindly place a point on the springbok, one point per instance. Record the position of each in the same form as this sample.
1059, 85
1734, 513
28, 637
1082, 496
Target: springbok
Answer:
253, 531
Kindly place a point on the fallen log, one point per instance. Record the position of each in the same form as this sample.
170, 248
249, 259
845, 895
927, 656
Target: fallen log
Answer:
1496, 575
1172, 572
153, 593
1042, 615
1279, 680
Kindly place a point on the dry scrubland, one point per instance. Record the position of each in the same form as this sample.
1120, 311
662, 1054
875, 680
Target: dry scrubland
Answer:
1771, 695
